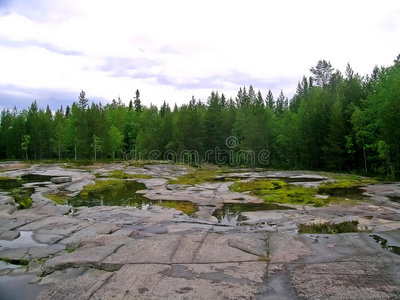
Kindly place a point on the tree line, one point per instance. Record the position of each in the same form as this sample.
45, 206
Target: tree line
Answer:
334, 121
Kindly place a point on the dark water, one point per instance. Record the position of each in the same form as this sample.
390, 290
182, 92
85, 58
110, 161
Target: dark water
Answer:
353, 193
394, 198
231, 213
113, 196
384, 244
17, 287
10, 184
127, 196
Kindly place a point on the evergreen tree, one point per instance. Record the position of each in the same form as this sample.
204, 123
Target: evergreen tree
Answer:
269, 100
137, 102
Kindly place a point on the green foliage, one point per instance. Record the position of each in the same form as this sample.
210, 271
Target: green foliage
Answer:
334, 121
116, 140
23, 197
329, 228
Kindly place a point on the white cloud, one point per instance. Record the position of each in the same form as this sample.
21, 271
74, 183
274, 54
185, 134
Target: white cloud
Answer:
170, 48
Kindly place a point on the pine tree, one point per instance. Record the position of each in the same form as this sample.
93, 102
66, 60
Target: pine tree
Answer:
137, 102
269, 100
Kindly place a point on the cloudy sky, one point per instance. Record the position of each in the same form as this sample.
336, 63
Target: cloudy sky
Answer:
171, 50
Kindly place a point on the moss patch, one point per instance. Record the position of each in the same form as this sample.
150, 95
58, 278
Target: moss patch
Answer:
101, 185
21, 262
121, 175
22, 196
184, 206
272, 190
329, 228
59, 198
203, 173
257, 187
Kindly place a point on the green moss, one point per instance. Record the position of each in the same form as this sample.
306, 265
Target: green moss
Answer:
203, 173
58, 198
143, 176
329, 228
257, 187
22, 196
272, 190
121, 175
21, 262
4, 178
295, 195
101, 185
183, 206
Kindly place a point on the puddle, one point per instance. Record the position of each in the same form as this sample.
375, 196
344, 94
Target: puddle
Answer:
110, 196
394, 198
383, 242
30, 178
18, 287
302, 179
30, 181
5, 265
25, 240
354, 193
127, 196
231, 213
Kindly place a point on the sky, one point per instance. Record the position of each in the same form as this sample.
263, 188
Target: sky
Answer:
173, 50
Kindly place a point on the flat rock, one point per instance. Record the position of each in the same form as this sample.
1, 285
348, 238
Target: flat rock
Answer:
28, 253
91, 230
81, 287
9, 235
6, 200
201, 247
205, 281
83, 257
346, 280
61, 179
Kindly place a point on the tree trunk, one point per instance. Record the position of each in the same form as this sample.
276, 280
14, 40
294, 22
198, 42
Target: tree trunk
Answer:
365, 159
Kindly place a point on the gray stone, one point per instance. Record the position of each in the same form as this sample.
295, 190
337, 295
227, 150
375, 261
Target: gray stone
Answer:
210, 281
160, 253
200, 247
62, 276
61, 179
85, 257
81, 287
9, 235
6, 200
28, 253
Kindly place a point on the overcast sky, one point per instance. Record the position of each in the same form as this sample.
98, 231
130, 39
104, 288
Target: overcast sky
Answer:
171, 50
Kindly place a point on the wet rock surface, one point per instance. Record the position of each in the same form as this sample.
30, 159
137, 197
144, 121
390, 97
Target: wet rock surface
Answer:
155, 252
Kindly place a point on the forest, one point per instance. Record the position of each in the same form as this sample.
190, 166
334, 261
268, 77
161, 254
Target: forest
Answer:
334, 121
